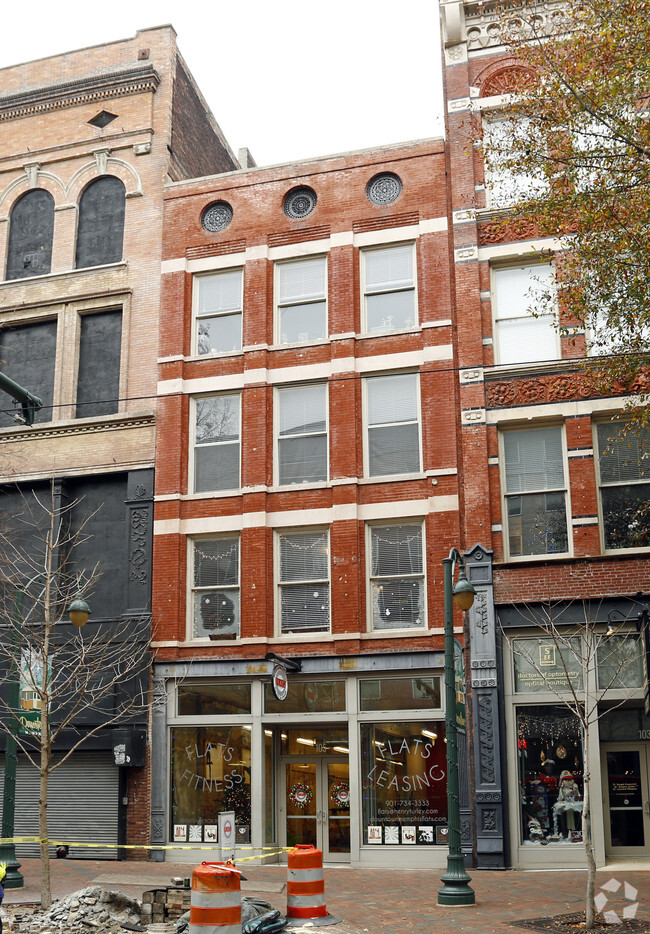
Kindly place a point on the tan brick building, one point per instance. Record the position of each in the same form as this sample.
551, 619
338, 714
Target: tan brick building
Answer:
87, 141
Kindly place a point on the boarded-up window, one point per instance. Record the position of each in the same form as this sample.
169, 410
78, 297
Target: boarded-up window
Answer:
101, 223
27, 355
30, 235
98, 383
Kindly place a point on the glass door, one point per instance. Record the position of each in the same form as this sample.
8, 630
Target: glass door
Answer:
316, 802
626, 769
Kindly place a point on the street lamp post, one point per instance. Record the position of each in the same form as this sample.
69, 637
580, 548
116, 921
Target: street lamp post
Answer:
78, 611
456, 889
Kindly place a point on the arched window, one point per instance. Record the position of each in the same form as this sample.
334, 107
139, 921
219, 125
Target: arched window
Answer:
30, 235
101, 222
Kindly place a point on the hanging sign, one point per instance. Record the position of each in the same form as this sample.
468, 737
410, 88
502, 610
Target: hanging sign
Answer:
459, 680
280, 682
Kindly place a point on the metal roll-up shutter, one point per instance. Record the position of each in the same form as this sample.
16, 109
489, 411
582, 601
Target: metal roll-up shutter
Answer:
83, 801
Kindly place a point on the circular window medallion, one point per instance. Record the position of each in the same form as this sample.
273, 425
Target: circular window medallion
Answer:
384, 188
299, 203
216, 217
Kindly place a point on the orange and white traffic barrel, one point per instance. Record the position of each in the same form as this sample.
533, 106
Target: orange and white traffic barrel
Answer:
215, 906
305, 883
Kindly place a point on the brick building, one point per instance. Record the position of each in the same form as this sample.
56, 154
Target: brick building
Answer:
87, 140
306, 493
557, 505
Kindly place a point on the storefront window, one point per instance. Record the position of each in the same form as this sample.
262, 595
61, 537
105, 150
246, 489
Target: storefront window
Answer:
544, 664
213, 699
404, 781
210, 772
399, 693
550, 775
307, 697
620, 662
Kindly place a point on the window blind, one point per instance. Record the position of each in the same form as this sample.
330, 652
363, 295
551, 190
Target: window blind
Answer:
623, 458
303, 409
302, 281
392, 399
220, 293
390, 268
304, 581
533, 460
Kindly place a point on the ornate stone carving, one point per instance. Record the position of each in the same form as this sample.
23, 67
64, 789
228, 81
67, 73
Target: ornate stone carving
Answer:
481, 613
157, 828
138, 551
506, 230
554, 387
465, 830
489, 819
299, 203
486, 739
216, 216
488, 796
484, 682
506, 81
384, 188
484, 20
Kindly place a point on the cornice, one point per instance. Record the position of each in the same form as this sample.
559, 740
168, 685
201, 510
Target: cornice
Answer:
83, 90
77, 427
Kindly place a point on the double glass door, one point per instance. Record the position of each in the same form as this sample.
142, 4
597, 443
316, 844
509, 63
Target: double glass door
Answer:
626, 772
316, 804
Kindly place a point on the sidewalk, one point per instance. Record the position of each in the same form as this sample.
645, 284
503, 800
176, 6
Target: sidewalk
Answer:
378, 901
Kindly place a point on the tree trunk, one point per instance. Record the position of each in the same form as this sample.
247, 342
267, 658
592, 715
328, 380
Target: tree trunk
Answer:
590, 906
46, 892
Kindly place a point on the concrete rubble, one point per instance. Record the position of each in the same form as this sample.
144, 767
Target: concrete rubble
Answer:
93, 910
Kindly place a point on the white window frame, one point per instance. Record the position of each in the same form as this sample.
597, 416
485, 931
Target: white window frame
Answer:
386, 291
545, 556
370, 526
497, 318
524, 185
366, 425
196, 317
193, 445
601, 512
277, 438
191, 589
309, 634
278, 305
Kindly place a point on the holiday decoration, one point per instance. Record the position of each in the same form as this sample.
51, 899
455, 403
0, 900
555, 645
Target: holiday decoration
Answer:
340, 794
300, 795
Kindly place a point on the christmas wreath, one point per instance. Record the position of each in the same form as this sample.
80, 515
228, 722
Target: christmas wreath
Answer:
340, 793
300, 795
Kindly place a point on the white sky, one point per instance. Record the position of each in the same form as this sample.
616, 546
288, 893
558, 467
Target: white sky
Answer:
290, 79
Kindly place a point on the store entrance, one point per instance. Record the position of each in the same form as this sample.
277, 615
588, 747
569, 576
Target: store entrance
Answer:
316, 796
626, 778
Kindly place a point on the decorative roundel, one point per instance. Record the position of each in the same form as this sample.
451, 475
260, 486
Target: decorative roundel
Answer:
299, 203
216, 216
384, 188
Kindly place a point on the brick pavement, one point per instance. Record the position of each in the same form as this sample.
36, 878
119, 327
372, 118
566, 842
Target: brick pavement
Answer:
377, 901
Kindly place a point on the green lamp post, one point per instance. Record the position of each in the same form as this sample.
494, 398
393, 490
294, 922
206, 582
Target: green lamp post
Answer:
78, 611
456, 889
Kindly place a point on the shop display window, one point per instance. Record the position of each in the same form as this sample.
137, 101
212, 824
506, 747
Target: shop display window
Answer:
549, 749
546, 665
399, 693
404, 782
216, 698
307, 697
210, 773
620, 662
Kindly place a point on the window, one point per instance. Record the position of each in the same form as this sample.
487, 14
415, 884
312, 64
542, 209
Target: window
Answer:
506, 182
535, 492
389, 291
624, 467
217, 443
219, 302
30, 235
301, 305
27, 355
397, 576
304, 570
302, 434
518, 291
100, 231
393, 425
98, 381
215, 588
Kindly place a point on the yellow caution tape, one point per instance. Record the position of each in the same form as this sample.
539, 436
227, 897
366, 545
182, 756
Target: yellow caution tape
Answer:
277, 851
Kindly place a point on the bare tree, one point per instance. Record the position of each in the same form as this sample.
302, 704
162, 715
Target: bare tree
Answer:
591, 659
75, 682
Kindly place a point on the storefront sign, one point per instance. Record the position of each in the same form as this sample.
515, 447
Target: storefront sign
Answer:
227, 828
541, 665
280, 682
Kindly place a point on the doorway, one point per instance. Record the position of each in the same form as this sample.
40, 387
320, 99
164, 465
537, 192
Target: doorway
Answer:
626, 778
315, 798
